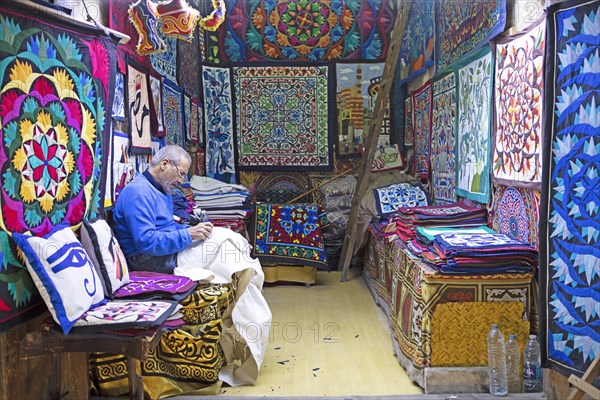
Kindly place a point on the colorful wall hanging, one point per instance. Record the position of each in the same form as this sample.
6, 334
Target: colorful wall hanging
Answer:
138, 108
422, 129
143, 16
418, 42
569, 248
443, 140
187, 116
188, 66
409, 130
119, 21
177, 19
172, 103
55, 95
118, 106
516, 213
397, 105
283, 117
157, 104
212, 21
357, 87
194, 113
517, 141
165, 64
475, 75
302, 31
218, 123
123, 166
466, 25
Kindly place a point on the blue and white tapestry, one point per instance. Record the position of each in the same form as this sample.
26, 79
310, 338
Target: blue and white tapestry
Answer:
569, 249
172, 106
166, 63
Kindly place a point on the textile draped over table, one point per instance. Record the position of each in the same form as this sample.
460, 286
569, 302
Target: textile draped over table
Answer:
570, 262
57, 85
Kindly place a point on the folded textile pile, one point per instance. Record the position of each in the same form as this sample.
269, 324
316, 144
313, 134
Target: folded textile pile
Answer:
408, 219
222, 202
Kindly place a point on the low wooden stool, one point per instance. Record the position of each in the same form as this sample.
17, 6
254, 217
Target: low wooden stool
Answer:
584, 385
54, 342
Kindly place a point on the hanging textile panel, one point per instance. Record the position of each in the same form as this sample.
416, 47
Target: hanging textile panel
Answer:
443, 140
283, 117
473, 127
422, 129
397, 108
172, 104
466, 25
409, 130
123, 167
119, 21
517, 144
302, 31
187, 116
570, 255
138, 106
118, 106
194, 113
356, 92
157, 105
165, 64
516, 212
280, 187
218, 123
188, 62
418, 42
55, 101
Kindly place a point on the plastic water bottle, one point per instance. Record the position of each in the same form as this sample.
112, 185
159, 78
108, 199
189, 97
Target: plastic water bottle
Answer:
513, 364
497, 362
532, 366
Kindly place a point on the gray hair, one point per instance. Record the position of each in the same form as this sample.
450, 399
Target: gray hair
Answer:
171, 152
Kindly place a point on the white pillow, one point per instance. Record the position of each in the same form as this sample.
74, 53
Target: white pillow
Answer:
63, 274
105, 253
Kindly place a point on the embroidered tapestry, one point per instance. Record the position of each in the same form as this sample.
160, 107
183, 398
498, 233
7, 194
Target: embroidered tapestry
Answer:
289, 234
389, 199
119, 21
443, 140
188, 62
165, 64
194, 113
293, 30
466, 25
473, 126
157, 105
517, 144
397, 108
123, 166
118, 107
357, 87
172, 105
138, 109
187, 116
280, 187
570, 264
55, 101
418, 42
282, 117
218, 124
409, 131
422, 129
516, 212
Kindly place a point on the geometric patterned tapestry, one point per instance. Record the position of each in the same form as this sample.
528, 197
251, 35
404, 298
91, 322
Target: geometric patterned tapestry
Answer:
569, 248
172, 103
218, 122
516, 212
292, 30
55, 95
443, 140
466, 25
517, 144
422, 129
165, 64
474, 82
283, 117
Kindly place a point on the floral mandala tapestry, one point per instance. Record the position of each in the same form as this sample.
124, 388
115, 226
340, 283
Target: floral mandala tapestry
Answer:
517, 146
57, 87
569, 249
473, 126
283, 117
516, 212
302, 30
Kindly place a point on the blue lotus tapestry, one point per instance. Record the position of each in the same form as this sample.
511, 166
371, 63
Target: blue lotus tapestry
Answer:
218, 123
443, 140
466, 25
570, 263
283, 117
57, 84
475, 80
291, 30
418, 42
517, 144
172, 106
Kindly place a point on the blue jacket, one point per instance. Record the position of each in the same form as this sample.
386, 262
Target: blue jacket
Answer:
144, 224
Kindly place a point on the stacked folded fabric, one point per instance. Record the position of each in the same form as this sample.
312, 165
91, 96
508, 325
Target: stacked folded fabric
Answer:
222, 202
405, 223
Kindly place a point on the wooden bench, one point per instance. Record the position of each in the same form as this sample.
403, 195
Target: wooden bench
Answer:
54, 342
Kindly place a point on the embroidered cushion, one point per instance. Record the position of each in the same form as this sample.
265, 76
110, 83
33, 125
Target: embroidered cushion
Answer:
62, 273
105, 253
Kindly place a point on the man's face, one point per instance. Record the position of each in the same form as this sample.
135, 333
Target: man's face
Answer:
174, 174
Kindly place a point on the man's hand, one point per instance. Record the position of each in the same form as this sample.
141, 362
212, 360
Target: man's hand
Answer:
200, 231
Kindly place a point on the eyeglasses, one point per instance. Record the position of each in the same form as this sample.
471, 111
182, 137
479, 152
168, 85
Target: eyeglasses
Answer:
179, 173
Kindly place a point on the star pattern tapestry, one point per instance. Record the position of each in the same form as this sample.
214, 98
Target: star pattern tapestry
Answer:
283, 117
172, 104
473, 126
422, 129
517, 144
302, 30
218, 123
569, 249
443, 140
55, 96
466, 25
